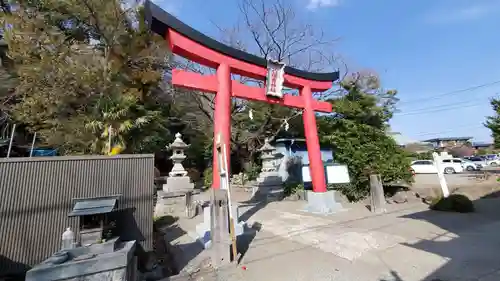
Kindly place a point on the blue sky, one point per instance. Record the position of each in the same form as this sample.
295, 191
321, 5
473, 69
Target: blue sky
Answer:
426, 49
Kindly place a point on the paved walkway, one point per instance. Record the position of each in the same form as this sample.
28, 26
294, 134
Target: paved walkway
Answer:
409, 243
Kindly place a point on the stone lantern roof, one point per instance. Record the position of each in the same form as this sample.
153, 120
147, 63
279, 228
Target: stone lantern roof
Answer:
178, 143
267, 147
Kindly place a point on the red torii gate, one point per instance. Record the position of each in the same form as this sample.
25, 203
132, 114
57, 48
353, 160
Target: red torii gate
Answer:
191, 44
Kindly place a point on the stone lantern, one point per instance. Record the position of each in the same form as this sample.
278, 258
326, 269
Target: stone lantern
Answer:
269, 180
178, 147
177, 194
269, 157
178, 179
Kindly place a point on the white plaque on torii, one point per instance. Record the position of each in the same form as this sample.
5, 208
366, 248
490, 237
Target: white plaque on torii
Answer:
275, 78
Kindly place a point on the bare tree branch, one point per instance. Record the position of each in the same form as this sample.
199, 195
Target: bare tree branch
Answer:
270, 29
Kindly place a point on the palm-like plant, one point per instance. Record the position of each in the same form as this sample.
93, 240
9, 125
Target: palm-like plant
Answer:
115, 118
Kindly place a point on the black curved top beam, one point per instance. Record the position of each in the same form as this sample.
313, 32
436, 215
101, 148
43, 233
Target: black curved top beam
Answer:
159, 21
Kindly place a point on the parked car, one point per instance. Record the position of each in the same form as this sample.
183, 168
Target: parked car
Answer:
423, 167
453, 165
493, 162
491, 156
449, 166
470, 165
490, 160
480, 162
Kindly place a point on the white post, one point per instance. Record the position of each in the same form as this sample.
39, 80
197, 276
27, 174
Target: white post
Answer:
110, 130
33, 144
440, 172
11, 139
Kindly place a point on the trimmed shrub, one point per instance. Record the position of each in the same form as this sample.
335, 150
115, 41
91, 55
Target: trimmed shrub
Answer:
290, 188
454, 203
253, 172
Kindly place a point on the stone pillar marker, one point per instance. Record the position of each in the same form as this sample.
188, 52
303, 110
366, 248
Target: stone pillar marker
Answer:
178, 179
377, 199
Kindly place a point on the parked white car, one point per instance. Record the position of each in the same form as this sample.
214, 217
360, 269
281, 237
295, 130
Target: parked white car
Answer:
480, 162
470, 165
449, 166
493, 162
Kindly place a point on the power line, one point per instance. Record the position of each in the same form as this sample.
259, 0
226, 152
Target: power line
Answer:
443, 107
449, 130
420, 107
461, 103
436, 109
453, 92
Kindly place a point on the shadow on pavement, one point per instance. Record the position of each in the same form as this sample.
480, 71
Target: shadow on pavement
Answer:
470, 244
178, 255
395, 277
256, 203
244, 241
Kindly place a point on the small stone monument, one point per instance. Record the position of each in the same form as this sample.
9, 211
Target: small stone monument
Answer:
177, 178
377, 199
111, 260
269, 182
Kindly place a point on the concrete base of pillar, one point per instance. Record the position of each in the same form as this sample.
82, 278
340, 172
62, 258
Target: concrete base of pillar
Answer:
323, 203
202, 234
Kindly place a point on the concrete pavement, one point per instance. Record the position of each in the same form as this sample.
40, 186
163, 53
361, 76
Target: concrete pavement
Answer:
408, 243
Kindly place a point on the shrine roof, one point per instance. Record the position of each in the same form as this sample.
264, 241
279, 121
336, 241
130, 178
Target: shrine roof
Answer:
160, 21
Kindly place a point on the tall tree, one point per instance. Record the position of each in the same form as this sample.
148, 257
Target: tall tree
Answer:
358, 132
84, 67
493, 122
7, 76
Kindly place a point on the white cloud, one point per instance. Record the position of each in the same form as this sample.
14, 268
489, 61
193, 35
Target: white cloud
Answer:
315, 4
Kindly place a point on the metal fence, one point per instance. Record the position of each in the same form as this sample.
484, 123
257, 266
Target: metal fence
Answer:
36, 196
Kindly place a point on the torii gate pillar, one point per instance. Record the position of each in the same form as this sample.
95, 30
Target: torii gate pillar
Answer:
222, 124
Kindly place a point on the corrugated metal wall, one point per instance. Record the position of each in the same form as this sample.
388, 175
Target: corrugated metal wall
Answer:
36, 196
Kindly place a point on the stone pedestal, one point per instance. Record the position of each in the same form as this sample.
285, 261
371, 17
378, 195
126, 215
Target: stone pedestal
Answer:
175, 184
174, 203
203, 229
269, 185
323, 203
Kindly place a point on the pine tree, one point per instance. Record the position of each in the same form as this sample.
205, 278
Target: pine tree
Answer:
358, 132
493, 122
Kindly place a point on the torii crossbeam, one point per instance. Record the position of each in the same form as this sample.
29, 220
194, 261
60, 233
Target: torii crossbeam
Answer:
191, 44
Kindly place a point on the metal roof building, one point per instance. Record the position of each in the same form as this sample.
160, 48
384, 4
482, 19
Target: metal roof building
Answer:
38, 195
